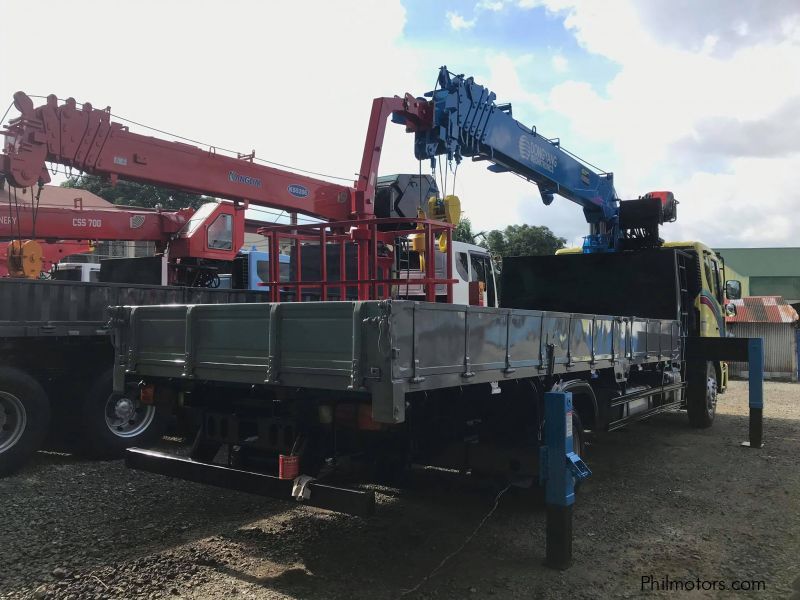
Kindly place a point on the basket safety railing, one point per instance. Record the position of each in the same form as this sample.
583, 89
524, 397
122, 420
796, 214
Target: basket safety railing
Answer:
377, 243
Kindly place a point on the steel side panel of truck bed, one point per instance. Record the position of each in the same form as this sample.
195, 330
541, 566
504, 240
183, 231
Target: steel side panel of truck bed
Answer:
385, 349
36, 307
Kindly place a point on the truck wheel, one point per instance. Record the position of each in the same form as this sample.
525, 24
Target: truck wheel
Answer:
578, 441
24, 418
114, 422
701, 396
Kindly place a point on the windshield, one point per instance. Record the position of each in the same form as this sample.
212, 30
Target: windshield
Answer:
220, 233
200, 215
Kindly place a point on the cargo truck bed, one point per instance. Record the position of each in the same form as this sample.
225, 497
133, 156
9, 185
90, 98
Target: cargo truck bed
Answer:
384, 349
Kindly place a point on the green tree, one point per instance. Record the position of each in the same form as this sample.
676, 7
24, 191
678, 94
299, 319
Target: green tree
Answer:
523, 240
129, 193
463, 232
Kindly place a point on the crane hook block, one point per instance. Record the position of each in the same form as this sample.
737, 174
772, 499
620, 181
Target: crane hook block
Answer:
447, 209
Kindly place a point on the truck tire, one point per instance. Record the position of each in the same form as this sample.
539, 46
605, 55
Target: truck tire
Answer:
578, 436
24, 418
113, 422
701, 395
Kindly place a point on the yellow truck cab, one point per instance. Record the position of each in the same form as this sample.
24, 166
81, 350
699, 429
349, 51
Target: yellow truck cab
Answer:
706, 318
710, 303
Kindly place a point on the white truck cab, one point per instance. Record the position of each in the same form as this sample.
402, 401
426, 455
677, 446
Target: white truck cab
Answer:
77, 271
473, 264
473, 268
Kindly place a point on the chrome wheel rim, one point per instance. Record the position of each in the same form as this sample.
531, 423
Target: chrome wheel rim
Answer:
126, 417
13, 420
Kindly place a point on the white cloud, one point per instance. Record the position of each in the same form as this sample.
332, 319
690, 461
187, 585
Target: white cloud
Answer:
742, 28
490, 5
776, 134
252, 75
458, 22
299, 92
560, 63
743, 206
550, 5
678, 114
504, 80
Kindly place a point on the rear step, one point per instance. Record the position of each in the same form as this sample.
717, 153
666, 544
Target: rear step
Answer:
360, 503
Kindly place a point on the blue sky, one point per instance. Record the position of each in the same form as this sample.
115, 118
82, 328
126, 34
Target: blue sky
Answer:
515, 29
533, 38
679, 95
519, 32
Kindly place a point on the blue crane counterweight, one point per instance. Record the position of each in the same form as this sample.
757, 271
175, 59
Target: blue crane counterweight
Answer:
468, 123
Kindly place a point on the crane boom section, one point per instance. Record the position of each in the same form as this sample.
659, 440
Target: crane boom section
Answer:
468, 123
86, 139
92, 224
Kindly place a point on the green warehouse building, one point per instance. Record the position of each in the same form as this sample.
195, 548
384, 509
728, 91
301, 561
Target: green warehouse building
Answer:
765, 271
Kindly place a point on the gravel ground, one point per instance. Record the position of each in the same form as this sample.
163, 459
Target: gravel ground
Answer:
664, 501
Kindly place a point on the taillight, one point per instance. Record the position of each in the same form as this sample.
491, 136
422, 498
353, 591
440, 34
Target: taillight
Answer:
147, 394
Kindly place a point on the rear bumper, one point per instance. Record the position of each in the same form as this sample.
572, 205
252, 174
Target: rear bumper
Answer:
354, 502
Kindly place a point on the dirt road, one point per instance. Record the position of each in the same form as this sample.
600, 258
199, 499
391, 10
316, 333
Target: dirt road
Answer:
665, 501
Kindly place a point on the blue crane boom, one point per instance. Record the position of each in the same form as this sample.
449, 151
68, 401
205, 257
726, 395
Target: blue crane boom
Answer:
467, 122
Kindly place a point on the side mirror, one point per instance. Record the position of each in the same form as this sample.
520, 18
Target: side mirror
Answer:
730, 310
733, 289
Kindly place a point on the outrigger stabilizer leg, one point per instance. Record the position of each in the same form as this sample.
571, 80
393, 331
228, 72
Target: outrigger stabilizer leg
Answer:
755, 400
560, 469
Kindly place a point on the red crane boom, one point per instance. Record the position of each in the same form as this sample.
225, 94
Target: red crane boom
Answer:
59, 223
87, 140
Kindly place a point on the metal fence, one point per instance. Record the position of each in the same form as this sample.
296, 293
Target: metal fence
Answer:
780, 349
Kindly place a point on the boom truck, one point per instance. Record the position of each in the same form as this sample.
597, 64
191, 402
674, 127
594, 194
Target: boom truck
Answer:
382, 381
55, 350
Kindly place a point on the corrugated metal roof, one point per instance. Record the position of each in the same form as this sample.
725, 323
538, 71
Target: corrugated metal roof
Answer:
57, 196
763, 309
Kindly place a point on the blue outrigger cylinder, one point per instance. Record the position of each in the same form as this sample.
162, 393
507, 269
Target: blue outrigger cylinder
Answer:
560, 469
755, 359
